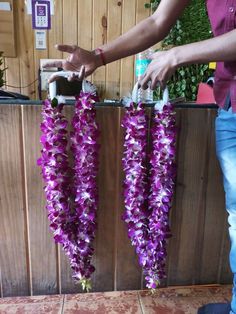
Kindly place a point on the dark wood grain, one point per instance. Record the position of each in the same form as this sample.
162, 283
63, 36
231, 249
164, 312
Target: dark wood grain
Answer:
188, 212
13, 240
108, 180
32, 264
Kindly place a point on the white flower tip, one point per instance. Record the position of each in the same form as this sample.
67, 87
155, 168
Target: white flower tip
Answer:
61, 99
135, 93
126, 101
88, 87
159, 105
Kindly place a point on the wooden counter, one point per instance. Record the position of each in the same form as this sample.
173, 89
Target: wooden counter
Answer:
32, 264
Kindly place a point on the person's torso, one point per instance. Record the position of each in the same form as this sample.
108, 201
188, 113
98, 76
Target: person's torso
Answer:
222, 15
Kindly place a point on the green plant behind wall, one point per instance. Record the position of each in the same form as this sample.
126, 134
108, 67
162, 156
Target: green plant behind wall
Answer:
193, 26
2, 70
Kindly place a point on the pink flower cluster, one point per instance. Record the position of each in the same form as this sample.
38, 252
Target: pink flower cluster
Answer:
149, 229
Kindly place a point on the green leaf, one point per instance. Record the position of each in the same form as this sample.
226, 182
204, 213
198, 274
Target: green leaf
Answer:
54, 102
86, 284
2, 70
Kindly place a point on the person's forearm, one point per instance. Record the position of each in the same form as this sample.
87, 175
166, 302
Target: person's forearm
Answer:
142, 36
147, 33
220, 48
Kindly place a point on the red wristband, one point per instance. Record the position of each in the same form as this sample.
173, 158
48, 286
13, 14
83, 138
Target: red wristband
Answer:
99, 52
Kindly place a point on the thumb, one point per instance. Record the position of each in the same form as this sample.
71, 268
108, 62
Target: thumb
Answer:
66, 48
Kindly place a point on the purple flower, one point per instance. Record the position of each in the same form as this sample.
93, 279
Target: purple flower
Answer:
149, 229
71, 193
84, 146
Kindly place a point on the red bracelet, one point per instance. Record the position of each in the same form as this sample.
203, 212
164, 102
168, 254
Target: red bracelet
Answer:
100, 52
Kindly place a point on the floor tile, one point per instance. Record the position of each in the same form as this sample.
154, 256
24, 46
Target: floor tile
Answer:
40, 308
223, 291
33, 299
103, 303
181, 300
171, 300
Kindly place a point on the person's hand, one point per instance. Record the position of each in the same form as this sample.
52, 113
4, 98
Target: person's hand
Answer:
80, 61
160, 70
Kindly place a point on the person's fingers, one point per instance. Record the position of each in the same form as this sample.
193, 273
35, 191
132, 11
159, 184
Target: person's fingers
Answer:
66, 48
53, 78
60, 63
154, 83
163, 84
53, 64
144, 81
70, 77
77, 76
82, 73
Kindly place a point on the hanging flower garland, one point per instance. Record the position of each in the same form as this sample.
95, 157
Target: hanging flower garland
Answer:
85, 150
71, 193
162, 182
149, 230
56, 171
135, 184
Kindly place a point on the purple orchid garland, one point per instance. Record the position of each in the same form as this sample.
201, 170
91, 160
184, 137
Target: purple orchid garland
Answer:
162, 183
71, 193
85, 149
149, 230
56, 171
135, 184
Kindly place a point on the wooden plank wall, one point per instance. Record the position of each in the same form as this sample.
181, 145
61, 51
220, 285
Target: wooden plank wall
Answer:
89, 24
30, 262
7, 32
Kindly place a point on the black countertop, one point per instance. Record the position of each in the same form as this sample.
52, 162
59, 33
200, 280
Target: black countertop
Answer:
106, 104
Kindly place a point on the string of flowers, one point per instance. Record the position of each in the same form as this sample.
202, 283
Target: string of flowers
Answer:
162, 182
71, 193
135, 183
149, 230
56, 172
85, 150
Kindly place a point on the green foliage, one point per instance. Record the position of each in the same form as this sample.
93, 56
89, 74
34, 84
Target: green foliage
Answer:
193, 26
54, 102
2, 70
86, 284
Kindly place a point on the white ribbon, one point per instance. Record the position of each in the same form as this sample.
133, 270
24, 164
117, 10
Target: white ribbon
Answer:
165, 99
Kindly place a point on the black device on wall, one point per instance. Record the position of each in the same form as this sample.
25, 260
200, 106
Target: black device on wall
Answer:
12, 95
66, 88
63, 86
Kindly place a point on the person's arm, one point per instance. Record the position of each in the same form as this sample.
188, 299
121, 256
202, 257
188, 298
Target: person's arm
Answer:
221, 48
148, 32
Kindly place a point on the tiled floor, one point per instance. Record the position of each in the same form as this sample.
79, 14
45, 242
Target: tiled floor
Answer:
172, 300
